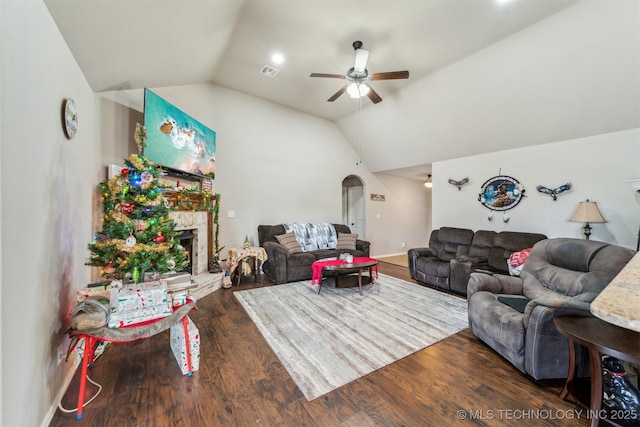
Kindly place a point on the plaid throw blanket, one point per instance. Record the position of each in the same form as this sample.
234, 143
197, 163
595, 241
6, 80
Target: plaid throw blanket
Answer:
314, 236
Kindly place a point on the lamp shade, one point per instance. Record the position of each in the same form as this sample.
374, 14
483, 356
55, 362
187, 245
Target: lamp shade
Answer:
587, 212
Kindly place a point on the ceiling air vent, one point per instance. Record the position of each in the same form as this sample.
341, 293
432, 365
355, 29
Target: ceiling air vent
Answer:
269, 71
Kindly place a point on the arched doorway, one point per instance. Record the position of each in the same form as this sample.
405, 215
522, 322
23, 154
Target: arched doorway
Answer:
353, 205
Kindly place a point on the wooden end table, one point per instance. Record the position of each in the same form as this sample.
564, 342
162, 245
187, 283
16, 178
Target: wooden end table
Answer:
238, 255
599, 337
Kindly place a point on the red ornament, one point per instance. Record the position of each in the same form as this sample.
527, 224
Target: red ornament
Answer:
128, 208
159, 238
124, 171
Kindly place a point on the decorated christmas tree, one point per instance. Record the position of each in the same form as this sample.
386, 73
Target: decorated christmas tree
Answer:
138, 235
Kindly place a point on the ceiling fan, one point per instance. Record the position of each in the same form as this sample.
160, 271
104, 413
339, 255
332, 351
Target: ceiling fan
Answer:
358, 75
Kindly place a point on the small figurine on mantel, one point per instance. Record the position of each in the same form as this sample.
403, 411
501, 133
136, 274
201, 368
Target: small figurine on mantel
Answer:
247, 245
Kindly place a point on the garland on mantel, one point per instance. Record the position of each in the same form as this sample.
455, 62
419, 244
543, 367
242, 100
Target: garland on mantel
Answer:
210, 202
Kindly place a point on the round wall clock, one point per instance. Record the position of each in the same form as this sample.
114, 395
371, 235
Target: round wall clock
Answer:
70, 118
501, 193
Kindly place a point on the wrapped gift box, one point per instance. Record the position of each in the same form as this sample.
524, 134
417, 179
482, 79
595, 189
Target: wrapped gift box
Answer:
84, 293
178, 298
95, 291
139, 295
178, 346
121, 318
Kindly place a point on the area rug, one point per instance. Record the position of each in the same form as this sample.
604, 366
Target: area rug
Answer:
329, 339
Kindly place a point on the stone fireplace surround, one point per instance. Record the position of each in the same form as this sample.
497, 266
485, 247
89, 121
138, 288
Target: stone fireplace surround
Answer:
197, 222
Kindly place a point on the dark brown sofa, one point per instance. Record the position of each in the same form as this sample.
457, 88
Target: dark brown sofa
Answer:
283, 267
454, 253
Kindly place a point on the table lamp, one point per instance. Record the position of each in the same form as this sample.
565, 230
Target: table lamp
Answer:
587, 212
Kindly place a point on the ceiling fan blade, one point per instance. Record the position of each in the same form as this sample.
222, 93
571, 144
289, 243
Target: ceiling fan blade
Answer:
373, 96
336, 95
390, 75
331, 76
361, 60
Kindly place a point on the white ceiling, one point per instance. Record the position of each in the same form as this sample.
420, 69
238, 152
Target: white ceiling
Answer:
140, 43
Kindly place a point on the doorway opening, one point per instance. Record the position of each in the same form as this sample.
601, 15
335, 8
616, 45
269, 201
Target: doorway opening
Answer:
353, 205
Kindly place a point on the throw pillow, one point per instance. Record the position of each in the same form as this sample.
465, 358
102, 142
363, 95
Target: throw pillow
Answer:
518, 258
288, 240
346, 241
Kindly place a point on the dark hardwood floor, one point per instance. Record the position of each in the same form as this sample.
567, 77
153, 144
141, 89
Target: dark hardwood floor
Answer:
456, 382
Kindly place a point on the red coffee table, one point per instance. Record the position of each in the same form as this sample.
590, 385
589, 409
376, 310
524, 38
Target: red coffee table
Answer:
339, 266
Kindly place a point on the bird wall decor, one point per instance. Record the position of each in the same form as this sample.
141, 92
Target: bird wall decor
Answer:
554, 192
460, 183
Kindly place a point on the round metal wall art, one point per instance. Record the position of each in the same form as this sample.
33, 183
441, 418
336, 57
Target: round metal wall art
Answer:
501, 193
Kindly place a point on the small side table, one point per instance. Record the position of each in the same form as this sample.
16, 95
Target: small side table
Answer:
238, 255
599, 337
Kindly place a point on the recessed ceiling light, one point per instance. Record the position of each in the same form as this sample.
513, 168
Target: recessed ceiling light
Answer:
277, 58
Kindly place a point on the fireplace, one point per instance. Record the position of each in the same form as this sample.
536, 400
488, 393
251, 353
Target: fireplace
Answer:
193, 230
186, 238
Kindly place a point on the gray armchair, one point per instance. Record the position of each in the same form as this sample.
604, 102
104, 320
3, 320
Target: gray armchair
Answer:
514, 315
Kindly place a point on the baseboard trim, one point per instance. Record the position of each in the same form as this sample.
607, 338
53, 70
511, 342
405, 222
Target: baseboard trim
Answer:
65, 385
387, 255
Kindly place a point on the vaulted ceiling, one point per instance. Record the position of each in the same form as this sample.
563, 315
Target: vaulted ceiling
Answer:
139, 43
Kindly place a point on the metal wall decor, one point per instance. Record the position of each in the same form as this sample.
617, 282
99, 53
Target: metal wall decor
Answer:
460, 183
554, 192
501, 193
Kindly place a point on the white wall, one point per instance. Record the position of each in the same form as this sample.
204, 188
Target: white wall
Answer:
404, 216
47, 187
597, 166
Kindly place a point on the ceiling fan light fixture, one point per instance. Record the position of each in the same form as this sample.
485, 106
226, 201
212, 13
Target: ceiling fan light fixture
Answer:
428, 183
357, 90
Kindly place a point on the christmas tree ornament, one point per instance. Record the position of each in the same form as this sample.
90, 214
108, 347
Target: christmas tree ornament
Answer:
131, 241
171, 263
109, 269
146, 177
135, 180
142, 198
124, 171
159, 238
135, 275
